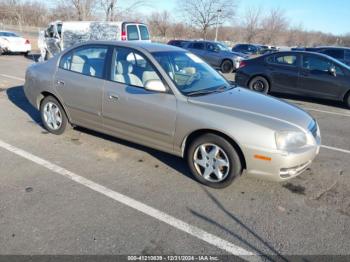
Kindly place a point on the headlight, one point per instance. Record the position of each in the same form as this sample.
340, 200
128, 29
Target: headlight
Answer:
288, 140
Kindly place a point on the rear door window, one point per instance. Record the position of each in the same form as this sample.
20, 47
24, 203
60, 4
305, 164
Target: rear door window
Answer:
198, 46
133, 33
290, 60
144, 32
89, 61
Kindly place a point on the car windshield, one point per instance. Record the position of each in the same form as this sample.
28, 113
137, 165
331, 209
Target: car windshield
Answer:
8, 34
222, 47
190, 74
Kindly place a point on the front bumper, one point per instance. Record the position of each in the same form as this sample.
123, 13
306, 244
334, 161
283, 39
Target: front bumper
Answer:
280, 166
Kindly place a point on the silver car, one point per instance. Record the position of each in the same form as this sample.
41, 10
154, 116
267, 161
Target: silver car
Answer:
167, 98
217, 55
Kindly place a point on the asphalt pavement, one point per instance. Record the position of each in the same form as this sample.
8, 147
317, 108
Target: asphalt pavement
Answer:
84, 193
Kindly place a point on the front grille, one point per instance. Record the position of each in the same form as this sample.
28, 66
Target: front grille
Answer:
313, 128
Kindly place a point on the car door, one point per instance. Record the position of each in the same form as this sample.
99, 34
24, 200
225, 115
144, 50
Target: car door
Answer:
284, 72
79, 82
316, 79
132, 112
198, 48
212, 55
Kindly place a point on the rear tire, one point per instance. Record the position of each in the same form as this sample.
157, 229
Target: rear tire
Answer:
259, 84
227, 67
213, 161
347, 100
53, 116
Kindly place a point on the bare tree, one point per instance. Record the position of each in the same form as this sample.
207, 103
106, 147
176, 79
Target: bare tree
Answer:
203, 14
272, 25
83, 8
160, 22
109, 7
251, 24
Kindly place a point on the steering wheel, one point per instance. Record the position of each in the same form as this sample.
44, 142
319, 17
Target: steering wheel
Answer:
194, 77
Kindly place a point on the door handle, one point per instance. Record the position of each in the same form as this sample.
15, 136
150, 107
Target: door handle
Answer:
113, 97
60, 83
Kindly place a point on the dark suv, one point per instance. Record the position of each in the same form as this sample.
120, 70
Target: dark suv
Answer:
340, 53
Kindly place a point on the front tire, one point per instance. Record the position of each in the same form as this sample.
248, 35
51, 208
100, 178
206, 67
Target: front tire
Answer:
227, 67
259, 84
213, 161
53, 116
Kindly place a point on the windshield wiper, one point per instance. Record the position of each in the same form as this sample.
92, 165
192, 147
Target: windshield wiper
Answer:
209, 91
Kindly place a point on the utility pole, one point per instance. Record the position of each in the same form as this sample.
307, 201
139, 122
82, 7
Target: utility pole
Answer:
217, 24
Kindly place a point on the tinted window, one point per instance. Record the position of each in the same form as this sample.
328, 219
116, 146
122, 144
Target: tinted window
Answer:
131, 68
9, 34
198, 45
286, 60
336, 53
144, 32
211, 47
316, 63
88, 61
133, 33
347, 55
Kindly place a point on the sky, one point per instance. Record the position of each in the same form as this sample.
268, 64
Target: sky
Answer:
329, 16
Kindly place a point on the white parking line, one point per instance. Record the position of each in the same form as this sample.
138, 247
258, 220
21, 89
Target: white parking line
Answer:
150, 211
12, 77
327, 112
336, 149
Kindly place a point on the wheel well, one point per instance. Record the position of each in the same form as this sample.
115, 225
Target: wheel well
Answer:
46, 94
347, 94
267, 79
201, 132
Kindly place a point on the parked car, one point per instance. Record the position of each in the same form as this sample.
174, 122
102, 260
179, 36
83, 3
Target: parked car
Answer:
216, 54
11, 42
62, 35
253, 49
340, 53
169, 99
178, 43
295, 72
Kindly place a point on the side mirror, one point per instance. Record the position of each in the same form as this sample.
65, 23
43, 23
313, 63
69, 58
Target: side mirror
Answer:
155, 86
332, 71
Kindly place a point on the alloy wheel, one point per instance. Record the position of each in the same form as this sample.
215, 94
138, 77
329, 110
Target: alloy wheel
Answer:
211, 162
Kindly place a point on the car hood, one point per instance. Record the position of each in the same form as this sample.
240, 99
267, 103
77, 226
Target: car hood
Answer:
243, 100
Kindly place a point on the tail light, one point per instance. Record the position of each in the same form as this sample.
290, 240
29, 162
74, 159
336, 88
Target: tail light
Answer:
123, 36
242, 64
27, 42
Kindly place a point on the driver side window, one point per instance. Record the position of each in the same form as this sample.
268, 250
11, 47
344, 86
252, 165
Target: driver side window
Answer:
314, 63
130, 67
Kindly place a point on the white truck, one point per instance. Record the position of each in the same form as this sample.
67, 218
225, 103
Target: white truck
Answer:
61, 35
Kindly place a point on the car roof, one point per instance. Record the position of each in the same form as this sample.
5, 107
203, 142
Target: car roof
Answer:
334, 47
147, 46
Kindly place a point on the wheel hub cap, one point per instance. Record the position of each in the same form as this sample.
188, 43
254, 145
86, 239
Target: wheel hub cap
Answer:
52, 116
211, 162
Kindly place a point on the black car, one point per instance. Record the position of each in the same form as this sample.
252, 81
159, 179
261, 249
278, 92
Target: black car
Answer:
300, 73
178, 43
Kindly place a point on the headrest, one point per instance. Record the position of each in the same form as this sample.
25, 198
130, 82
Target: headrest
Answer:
79, 59
124, 67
